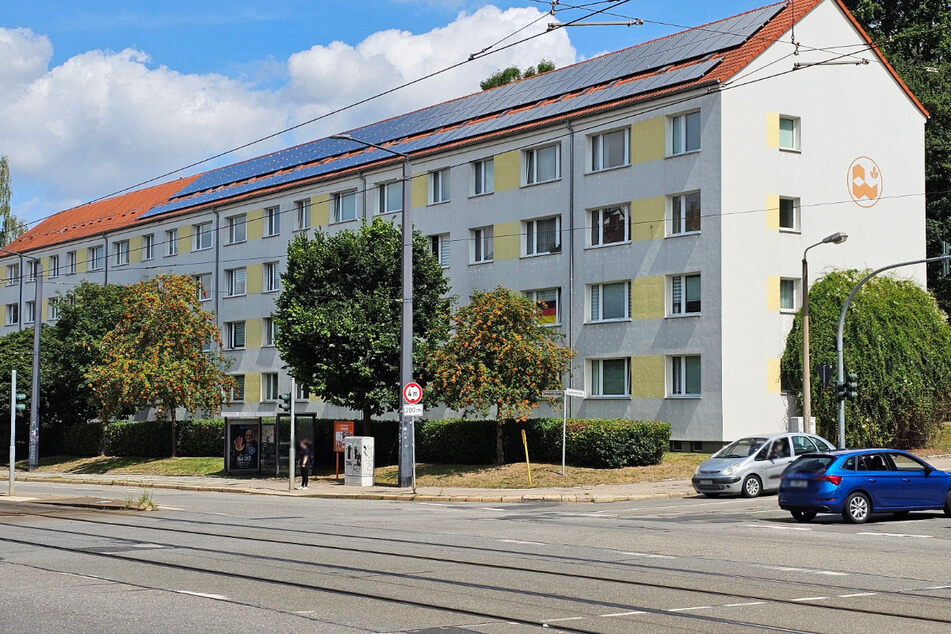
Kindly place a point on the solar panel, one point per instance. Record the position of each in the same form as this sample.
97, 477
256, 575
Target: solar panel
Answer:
718, 36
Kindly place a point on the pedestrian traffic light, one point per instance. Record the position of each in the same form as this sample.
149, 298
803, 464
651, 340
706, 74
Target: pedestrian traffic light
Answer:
841, 391
284, 401
21, 401
852, 384
945, 265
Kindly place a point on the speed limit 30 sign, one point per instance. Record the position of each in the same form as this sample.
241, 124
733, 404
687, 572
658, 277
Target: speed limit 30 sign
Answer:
412, 393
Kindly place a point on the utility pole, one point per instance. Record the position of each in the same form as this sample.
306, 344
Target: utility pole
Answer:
35, 390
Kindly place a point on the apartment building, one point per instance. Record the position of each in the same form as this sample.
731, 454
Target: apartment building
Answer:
657, 199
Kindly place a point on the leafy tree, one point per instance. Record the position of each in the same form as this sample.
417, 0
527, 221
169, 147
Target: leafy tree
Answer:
338, 316
16, 353
154, 356
499, 355
915, 37
512, 73
898, 342
11, 227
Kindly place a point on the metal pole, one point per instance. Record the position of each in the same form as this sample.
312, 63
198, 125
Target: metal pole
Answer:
292, 453
838, 338
407, 469
564, 431
13, 427
806, 368
35, 388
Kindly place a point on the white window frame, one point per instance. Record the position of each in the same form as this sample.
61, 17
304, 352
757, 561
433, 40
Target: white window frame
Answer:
383, 197
120, 253
272, 277
203, 236
29, 310
793, 283
439, 245
237, 228
302, 208
796, 206
204, 291
171, 242
70, 263
596, 220
482, 245
679, 309
96, 258
531, 233
272, 221
267, 332
483, 177
237, 393
596, 150
301, 393
339, 207
530, 163
13, 314
595, 368
795, 147
533, 296
678, 126
270, 387
677, 209
148, 246
440, 190
52, 309
233, 332
677, 381
31, 267
237, 281
589, 301
13, 274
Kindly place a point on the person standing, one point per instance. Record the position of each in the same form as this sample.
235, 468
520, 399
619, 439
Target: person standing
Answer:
305, 459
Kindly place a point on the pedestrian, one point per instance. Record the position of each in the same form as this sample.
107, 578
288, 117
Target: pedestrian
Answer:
305, 457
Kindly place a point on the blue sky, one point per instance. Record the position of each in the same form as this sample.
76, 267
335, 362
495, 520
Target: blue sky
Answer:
107, 94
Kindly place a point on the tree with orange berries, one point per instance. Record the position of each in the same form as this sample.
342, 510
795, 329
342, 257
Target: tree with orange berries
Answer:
157, 357
499, 356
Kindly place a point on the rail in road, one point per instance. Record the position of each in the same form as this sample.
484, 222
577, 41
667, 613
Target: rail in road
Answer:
501, 580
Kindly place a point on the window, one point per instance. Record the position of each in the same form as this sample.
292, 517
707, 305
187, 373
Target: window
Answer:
237, 228
71, 263
789, 133
30, 310
96, 258
610, 301
148, 246
685, 375
303, 214
237, 392
787, 294
203, 283
237, 281
482, 244
440, 247
685, 294
54, 266
272, 277
171, 242
905, 463
789, 214
52, 309
610, 377
803, 444
541, 164
120, 252
685, 213
543, 236
269, 385
267, 336
610, 225
206, 346
685, 133
483, 177
235, 334
202, 235
609, 150
345, 206
272, 221
13, 314
302, 393
31, 266
389, 197
550, 305
13, 274
439, 186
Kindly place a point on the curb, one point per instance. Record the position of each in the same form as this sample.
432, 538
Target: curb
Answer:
393, 497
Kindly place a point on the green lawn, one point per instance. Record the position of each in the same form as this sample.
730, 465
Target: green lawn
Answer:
126, 466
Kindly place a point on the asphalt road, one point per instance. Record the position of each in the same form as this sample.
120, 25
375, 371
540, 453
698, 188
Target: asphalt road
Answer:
218, 562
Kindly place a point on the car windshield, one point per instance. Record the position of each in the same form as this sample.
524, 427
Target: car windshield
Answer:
741, 448
810, 464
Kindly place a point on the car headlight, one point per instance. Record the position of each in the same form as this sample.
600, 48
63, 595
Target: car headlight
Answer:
729, 470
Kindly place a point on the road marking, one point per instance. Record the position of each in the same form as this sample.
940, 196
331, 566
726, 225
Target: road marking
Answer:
147, 546
858, 594
567, 618
696, 607
624, 613
489, 508
597, 515
516, 541
781, 528
431, 504
809, 570
649, 555
171, 508
736, 605
206, 595
306, 612
895, 534
938, 588
810, 599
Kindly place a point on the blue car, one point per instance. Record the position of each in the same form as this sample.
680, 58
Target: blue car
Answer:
859, 482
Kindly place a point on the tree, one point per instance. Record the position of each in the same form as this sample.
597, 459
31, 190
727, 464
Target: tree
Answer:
11, 227
915, 37
338, 316
156, 354
898, 342
512, 73
499, 355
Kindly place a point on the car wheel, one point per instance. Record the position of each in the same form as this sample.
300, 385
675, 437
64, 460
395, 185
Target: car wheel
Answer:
947, 504
752, 486
857, 508
803, 516
712, 495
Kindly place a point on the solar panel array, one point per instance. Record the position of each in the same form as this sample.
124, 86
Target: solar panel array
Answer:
683, 46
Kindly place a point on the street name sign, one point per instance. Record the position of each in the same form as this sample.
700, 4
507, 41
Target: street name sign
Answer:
552, 393
573, 392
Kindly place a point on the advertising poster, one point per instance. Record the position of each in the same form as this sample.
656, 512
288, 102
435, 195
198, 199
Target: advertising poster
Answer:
244, 448
342, 429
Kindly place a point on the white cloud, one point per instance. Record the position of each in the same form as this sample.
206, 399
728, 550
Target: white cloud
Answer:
25, 57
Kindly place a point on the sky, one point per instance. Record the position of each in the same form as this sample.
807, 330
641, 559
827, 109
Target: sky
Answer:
98, 96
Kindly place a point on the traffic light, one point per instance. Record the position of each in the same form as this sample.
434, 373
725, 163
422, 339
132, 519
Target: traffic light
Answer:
945, 265
21, 401
841, 391
852, 384
284, 401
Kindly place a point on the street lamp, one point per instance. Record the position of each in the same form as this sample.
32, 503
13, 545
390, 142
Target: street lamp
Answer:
37, 326
836, 238
407, 471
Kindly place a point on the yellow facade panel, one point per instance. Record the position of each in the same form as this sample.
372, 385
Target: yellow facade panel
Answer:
320, 210
420, 181
772, 129
772, 211
648, 376
507, 170
647, 140
135, 249
255, 278
647, 297
772, 293
185, 239
252, 387
508, 240
253, 329
647, 218
255, 226
773, 382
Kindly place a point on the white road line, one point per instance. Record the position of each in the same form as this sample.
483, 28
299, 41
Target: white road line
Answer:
171, 508
205, 595
623, 613
895, 534
858, 594
431, 504
809, 570
597, 515
938, 588
649, 555
810, 599
147, 546
696, 607
781, 528
567, 618
516, 541
737, 605
305, 612
489, 508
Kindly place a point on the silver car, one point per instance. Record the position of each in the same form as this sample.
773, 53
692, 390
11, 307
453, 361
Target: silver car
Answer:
753, 465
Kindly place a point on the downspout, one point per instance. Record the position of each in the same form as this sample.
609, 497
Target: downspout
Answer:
215, 285
105, 254
363, 188
571, 247
20, 301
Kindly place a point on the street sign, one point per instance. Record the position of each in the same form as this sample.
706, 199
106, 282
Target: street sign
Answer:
413, 409
573, 392
552, 393
412, 393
